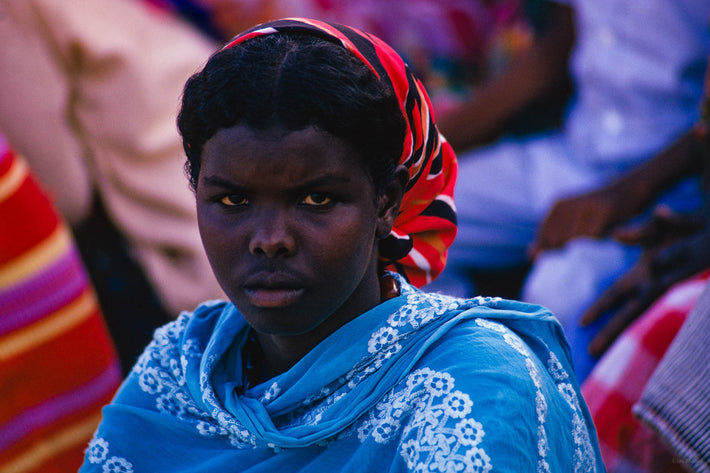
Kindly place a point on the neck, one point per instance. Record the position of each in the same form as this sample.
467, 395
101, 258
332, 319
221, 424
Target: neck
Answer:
281, 352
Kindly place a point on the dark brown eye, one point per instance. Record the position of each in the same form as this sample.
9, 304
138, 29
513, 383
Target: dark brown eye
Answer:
233, 200
317, 199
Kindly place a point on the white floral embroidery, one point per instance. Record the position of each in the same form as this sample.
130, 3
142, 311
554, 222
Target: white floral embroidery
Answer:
191, 348
556, 369
495, 326
534, 373
239, 436
430, 404
439, 383
487, 301
569, 395
162, 376
270, 394
98, 450
517, 344
149, 381
382, 338
584, 457
210, 430
418, 377
540, 406
469, 432
477, 461
169, 404
583, 454
118, 465
385, 354
457, 405
385, 430
402, 317
543, 447
427, 413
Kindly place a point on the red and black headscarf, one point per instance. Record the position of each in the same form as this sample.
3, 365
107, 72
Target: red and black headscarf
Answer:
426, 225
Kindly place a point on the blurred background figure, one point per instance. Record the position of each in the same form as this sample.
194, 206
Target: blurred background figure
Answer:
58, 362
648, 394
89, 95
453, 45
552, 199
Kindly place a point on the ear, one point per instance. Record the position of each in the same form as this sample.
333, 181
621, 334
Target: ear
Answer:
389, 201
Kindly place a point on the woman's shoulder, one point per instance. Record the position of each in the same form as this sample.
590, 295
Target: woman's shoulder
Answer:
500, 374
491, 331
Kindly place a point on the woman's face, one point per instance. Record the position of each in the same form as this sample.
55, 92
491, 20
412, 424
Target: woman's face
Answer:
290, 223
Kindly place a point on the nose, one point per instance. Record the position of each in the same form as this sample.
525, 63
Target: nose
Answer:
272, 236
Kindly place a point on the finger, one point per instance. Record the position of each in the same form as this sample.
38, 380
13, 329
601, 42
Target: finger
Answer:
644, 233
669, 258
543, 242
631, 234
534, 250
609, 299
618, 323
672, 220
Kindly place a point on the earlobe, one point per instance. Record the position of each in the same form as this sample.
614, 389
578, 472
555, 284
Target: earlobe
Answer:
390, 201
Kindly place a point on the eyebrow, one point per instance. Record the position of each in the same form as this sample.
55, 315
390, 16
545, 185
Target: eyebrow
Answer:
325, 180
216, 181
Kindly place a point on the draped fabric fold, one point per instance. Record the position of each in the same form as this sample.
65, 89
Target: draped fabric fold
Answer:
419, 381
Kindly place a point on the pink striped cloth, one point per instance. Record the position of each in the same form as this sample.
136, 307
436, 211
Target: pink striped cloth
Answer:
676, 401
58, 363
619, 379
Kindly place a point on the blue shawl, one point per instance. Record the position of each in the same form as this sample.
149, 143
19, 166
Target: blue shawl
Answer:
422, 382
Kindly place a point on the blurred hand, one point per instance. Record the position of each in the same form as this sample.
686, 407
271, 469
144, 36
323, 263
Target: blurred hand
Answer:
591, 215
676, 247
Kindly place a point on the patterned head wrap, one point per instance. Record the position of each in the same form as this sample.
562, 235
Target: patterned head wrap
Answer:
426, 225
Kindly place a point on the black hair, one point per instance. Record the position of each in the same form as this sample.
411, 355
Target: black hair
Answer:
294, 80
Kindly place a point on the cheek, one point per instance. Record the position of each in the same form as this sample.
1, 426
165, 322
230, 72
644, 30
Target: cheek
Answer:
350, 242
218, 242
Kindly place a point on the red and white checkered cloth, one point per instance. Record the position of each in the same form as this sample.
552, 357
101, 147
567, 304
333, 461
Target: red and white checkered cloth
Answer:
618, 380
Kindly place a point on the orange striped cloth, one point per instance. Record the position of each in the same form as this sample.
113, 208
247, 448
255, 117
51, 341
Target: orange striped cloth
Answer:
58, 366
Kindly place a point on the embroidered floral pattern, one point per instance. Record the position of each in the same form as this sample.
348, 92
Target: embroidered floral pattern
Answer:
427, 411
426, 415
161, 376
98, 454
584, 459
97, 451
118, 465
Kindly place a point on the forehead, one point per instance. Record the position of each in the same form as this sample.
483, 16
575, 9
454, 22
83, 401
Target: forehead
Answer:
276, 151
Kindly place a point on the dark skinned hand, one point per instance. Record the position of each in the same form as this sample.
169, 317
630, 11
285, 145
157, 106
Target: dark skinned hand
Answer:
676, 247
592, 215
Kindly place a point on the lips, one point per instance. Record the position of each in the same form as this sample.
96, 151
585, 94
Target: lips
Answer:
273, 291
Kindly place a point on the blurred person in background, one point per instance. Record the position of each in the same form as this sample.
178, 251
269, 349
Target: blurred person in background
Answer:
552, 198
648, 394
89, 95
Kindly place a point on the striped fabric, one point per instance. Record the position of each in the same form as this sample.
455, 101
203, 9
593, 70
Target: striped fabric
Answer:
676, 401
619, 379
57, 363
418, 244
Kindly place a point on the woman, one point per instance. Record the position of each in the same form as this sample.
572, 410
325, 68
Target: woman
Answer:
324, 196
